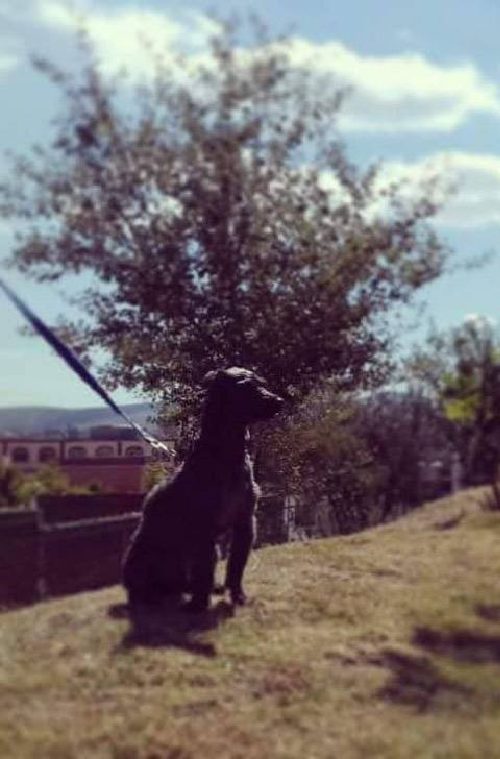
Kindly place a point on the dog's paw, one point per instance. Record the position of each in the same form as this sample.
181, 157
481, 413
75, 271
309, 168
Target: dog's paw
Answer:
196, 605
238, 597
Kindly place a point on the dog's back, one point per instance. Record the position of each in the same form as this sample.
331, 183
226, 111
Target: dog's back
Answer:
151, 565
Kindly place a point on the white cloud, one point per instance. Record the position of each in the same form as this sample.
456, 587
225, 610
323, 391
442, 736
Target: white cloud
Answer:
403, 92
476, 176
121, 38
479, 320
466, 185
392, 93
128, 38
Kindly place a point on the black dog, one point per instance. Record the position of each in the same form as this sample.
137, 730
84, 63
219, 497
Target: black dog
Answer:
213, 493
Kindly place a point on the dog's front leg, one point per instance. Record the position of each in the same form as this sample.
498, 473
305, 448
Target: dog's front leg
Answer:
241, 544
203, 574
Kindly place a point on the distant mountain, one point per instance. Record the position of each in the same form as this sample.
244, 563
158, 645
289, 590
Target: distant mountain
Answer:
40, 420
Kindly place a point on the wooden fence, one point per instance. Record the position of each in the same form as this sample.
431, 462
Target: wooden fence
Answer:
68, 544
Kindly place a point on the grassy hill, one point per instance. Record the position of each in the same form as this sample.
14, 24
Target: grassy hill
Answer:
381, 644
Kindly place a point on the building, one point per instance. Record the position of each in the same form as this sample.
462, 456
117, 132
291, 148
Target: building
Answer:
114, 458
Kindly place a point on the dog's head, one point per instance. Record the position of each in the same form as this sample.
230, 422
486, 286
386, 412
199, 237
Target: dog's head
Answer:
242, 395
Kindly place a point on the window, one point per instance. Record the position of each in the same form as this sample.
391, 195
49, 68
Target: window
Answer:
104, 451
20, 455
47, 453
77, 452
134, 451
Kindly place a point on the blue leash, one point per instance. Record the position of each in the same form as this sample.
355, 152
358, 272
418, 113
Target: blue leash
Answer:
76, 365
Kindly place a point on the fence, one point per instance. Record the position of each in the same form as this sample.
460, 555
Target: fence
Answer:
84, 555
20, 556
39, 559
62, 508
68, 544
275, 519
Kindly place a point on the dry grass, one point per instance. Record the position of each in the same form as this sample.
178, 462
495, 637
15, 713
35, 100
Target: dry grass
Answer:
382, 644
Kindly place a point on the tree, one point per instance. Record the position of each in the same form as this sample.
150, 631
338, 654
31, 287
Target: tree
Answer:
49, 479
10, 481
354, 458
402, 430
154, 474
462, 369
321, 457
18, 488
222, 223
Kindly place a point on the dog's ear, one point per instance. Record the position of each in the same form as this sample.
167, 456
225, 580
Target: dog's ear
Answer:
235, 374
238, 374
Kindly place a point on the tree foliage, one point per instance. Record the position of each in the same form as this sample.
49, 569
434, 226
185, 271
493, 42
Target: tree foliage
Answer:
10, 482
462, 370
404, 432
18, 488
222, 223
319, 457
354, 459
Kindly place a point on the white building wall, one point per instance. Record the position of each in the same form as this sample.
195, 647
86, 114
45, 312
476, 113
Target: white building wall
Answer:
94, 449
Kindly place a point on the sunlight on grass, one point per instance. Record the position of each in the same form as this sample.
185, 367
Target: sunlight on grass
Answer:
384, 644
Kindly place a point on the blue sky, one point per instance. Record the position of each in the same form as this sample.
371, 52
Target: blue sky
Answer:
425, 94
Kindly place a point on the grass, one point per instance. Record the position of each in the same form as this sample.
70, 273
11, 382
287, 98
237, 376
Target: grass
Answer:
381, 644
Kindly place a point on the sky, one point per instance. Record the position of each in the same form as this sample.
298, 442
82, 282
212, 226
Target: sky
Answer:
425, 95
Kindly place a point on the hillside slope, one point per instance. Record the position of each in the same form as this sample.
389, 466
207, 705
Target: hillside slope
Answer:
36, 420
381, 644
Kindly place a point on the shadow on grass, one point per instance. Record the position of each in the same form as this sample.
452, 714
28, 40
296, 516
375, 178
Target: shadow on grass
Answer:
450, 523
170, 627
416, 681
462, 645
491, 612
